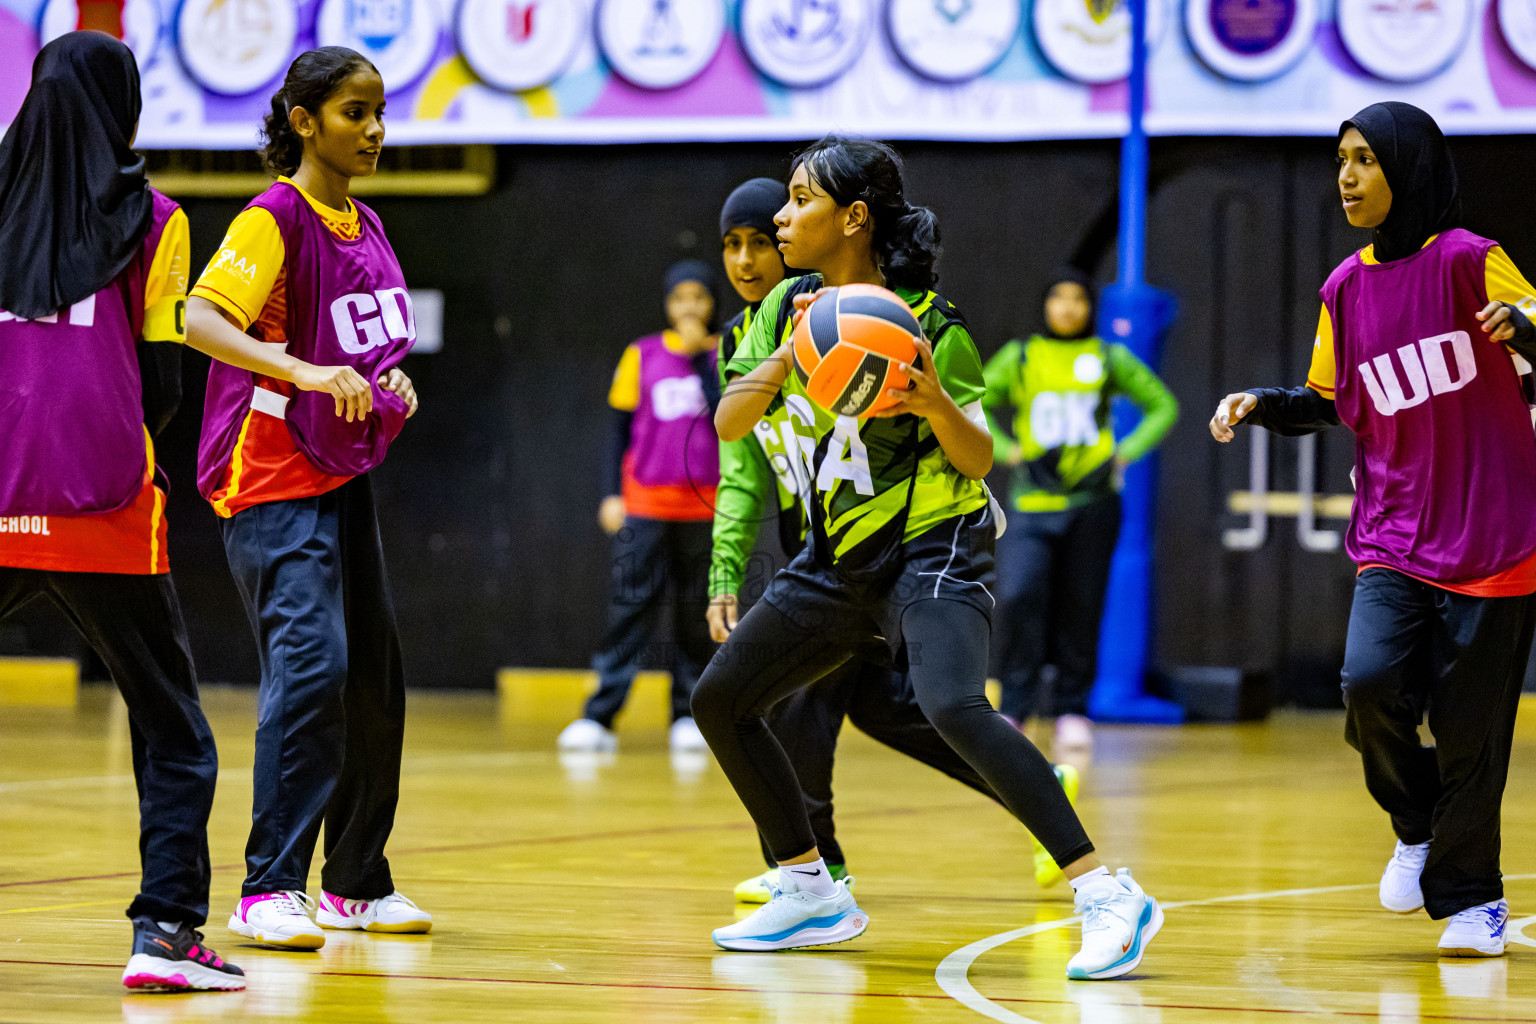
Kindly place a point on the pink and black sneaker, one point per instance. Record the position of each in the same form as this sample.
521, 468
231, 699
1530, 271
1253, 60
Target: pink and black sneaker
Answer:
392, 913
176, 962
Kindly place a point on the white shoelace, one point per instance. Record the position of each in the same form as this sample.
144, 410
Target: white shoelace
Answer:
1484, 916
398, 896
294, 903
1096, 906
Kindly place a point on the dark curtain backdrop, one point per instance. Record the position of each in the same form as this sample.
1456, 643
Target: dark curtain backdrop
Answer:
488, 500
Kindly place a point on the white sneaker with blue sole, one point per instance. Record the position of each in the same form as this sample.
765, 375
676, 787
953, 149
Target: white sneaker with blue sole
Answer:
1119, 919
792, 920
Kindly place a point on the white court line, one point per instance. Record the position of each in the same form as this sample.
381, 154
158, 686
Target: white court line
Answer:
953, 971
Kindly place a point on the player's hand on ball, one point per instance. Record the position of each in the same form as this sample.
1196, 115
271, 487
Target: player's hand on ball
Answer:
1229, 413
924, 395
400, 384
354, 396
1497, 323
721, 617
802, 302
610, 514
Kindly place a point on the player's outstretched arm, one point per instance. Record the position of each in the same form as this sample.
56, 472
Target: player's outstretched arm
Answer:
1289, 412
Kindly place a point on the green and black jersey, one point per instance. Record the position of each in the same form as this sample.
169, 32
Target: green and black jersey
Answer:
861, 472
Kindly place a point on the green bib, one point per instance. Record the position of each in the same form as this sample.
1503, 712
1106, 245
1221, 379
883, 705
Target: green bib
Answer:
1063, 425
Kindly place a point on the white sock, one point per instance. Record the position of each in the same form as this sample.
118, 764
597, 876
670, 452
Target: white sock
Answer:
169, 927
813, 878
1097, 874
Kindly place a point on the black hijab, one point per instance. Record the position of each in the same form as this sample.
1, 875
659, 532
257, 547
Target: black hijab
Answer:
74, 202
1426, 198
1071, 275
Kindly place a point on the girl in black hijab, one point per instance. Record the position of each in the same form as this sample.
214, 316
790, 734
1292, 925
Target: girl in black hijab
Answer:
94, 269
1425, 196
1421, 348
74, 201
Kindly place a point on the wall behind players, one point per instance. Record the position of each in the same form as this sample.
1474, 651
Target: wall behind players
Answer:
488, 500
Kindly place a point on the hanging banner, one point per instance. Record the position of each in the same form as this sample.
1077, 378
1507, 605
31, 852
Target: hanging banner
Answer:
597, 71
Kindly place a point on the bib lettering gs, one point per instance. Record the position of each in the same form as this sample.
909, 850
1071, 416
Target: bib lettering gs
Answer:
1445, 459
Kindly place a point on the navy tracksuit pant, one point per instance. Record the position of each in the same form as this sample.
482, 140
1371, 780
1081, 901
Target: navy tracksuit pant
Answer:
134, 624
331, 711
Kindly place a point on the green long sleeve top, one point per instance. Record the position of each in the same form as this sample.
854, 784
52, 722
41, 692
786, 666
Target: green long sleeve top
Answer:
747, 479
1061, 392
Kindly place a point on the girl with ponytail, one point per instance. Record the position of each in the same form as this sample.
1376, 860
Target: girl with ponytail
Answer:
899, 554
306, 314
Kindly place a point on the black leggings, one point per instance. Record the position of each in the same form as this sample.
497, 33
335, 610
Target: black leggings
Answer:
768, 657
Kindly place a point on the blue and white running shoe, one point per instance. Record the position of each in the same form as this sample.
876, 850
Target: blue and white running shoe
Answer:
1477, 931
794, 919
1118, 922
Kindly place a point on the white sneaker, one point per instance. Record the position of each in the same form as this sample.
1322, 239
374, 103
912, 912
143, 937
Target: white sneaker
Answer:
1073, 732
1119, 919
1477, 931
686, 737
587, 736
393, 913
794, 919
1400, 892
277, 919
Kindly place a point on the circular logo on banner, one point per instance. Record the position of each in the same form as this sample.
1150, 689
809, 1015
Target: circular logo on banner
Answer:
1250, 40
1517, 21
1089, 41
952, 40
398, 36
801, 43
1404, 40
520, 44
234, 47
660, 44
141, 25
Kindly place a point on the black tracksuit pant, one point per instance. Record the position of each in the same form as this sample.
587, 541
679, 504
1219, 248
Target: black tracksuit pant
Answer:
882, 705
330, 717
1415, 648
134, 624
653, 558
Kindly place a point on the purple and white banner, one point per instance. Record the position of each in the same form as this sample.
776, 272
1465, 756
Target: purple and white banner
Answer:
682, 70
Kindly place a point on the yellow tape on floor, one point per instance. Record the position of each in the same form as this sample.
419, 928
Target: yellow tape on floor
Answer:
42, 682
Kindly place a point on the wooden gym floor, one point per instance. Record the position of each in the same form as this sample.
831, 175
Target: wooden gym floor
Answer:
584, 892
